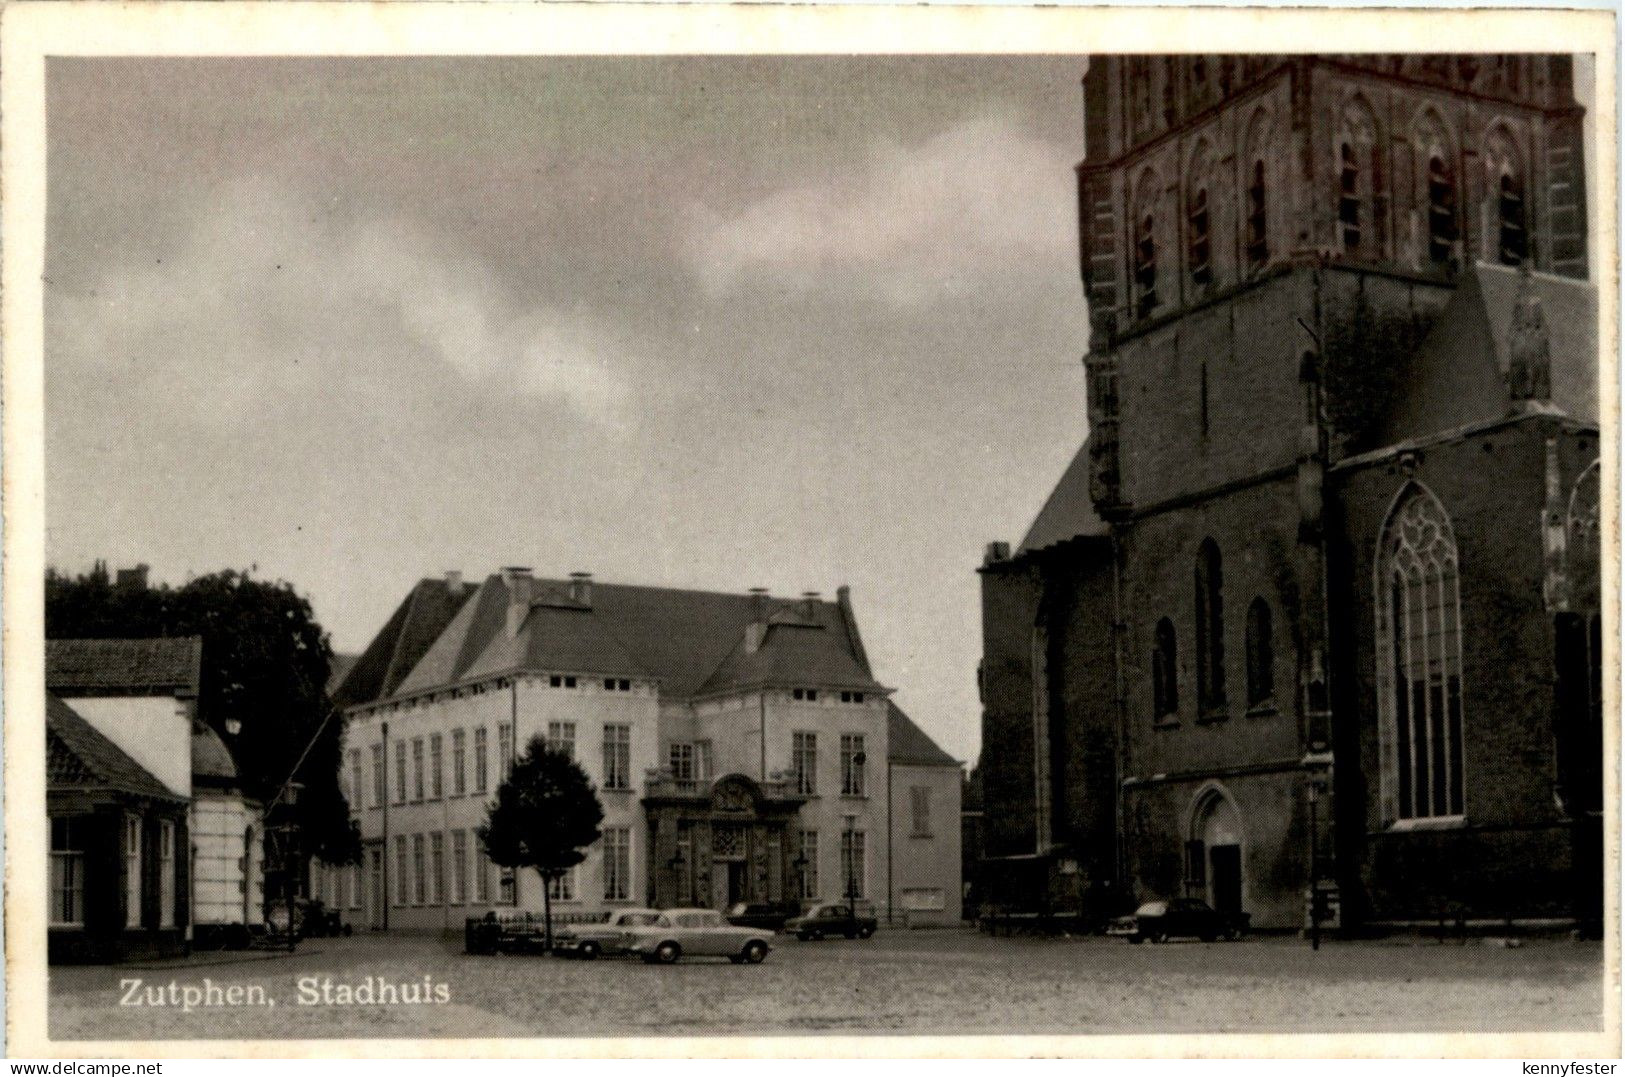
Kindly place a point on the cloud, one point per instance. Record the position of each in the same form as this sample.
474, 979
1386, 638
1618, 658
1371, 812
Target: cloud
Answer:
272, 295
941, 219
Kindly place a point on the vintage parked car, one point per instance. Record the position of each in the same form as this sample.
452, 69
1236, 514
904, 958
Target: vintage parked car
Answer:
833, 918
589, 941
767, 915
1160, 921
696, 933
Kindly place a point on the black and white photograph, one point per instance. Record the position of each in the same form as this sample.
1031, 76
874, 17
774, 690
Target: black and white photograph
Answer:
1090, 539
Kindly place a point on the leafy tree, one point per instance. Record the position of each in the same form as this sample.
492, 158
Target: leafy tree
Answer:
545, 814
265, 663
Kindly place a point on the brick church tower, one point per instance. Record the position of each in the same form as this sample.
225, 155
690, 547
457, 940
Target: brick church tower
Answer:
1260, 637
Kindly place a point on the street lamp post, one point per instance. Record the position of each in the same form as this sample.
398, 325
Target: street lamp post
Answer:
1317, 786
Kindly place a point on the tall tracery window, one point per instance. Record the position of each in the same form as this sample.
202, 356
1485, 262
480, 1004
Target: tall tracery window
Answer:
1200, 244
1145, 265
1209, 630
1348, 198
1165, 671
1260, 655
1441, 210
1258, 245
1419, 660
1514, 238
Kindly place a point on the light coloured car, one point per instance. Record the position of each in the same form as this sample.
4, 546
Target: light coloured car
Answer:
697, 933
588, 941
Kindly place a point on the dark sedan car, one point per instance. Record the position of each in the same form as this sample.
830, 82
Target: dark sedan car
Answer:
765, 915
830, 918
1160, 921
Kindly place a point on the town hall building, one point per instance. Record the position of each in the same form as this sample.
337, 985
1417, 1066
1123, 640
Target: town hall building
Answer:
740, 746
1316, 606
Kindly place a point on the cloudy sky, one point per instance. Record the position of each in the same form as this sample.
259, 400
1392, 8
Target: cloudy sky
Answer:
713, 323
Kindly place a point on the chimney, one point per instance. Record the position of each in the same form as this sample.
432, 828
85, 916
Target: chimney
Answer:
581, 588
996, 552
454, 581
809, 605
519, 592
756, 631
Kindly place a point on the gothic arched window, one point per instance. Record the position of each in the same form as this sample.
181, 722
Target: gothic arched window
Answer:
1165, 671
1200, 244
1146, 201
1441, 211
1358, 175
1258, 242
1260, 654
1514, 240
1348, 197
1209, 631
1419, 660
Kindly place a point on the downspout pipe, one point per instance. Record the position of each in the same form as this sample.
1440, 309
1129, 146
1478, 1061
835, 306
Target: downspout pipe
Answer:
383, 858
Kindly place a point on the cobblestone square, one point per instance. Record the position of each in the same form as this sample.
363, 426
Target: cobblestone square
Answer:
900, 982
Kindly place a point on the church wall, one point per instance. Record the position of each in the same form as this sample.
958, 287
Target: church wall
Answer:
1510, 856
1010, 592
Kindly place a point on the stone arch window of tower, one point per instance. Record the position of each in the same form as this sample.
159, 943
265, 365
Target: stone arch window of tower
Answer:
1165, 673
1441, 210
1258, 250
1145, 266
1260, 658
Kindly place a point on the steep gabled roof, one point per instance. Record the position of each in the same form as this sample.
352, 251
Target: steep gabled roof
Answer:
168, 666
416, 623
1458, 375
212, 763
1069, 512
909, 745
678, 637
80, 757
792, 651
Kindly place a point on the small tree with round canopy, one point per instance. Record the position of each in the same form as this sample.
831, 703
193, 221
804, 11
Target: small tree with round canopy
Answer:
545, 814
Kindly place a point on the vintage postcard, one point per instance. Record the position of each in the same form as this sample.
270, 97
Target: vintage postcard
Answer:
750, 530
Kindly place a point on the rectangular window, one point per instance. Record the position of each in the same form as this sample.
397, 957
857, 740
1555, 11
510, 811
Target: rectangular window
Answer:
67, 872
419, 876
561, 737
617, 863
437, 787
682, 762
854, 862
809, 869
132, 871
357, 788
805, 762
400, 772
507, 887
459, 866
380, 780
479, 760
853, 763
702, 760
437, 868
482, 874
417, 769
355, 885
401, 889
504, 750
919, 798
617, 756
166, 873
459, 781
562, 887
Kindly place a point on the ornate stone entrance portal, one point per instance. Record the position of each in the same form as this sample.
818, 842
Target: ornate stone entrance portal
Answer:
714, 844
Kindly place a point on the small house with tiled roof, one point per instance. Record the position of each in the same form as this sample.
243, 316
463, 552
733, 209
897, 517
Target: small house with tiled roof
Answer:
141, 696
117, 882
738, 744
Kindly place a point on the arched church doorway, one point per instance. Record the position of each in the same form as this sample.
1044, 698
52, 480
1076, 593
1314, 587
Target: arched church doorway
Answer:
1215, 851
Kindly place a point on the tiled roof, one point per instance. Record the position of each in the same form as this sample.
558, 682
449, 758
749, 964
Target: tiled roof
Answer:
1458, 376
416, 623
338, 667
679, 637
211, 759
80, 757
908, 744
91, 666
1069, 512
790, 653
